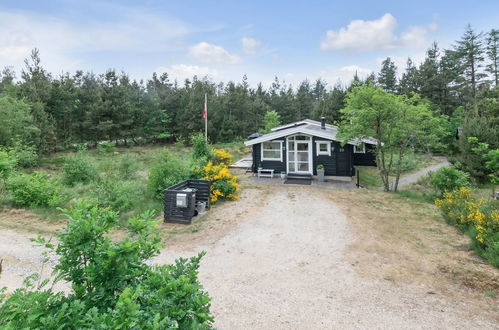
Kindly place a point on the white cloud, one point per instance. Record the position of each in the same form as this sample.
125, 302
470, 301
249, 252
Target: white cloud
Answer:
184, 71
60, 39
378, 34
208, 53
251, 46
344, 74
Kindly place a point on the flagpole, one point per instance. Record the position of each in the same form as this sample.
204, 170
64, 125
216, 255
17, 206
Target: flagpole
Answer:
206, 118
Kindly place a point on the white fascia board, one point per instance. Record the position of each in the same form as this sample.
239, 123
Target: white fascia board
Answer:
291, 131
302, 122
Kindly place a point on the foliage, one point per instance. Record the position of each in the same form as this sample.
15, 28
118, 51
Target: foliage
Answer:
106, 147
118, 194
320, 167
224, 184
113, 286
396, 122
25, 155
481, 129
78, 168
17, 122
448, 178
166, 171
200, 147
127, 167
271, 120
220, 156
412, 161
35, 189
479, 219
7, 164
43, 110
387, 77
490, 157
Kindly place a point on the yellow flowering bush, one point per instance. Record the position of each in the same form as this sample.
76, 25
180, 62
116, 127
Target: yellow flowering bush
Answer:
221, 157
224, 185
476, 217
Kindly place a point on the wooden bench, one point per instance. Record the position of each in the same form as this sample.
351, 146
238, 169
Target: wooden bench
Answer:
267, 173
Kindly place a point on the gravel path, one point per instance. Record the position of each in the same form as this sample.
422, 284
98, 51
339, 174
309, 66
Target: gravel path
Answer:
414, 177
285, 266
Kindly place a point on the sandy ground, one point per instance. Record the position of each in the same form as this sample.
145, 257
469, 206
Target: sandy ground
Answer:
279, 259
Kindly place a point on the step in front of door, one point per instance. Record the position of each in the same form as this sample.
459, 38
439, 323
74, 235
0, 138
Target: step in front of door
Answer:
299, 176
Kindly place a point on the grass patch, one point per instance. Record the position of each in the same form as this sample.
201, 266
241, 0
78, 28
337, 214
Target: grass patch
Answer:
369, 176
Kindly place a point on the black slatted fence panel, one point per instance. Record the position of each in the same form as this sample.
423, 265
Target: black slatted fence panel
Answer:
174, 214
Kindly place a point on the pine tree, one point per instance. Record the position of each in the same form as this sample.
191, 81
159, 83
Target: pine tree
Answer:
387, 77
408, 84
470, 51
303, 101
492, 50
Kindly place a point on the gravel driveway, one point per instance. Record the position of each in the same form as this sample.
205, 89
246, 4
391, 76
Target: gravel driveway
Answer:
285, 266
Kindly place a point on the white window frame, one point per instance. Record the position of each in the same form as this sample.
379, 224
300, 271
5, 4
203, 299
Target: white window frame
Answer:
272, 159
323, 153
356, 148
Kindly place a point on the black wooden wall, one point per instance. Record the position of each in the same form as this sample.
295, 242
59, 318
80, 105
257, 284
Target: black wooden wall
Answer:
366, 159
340, 163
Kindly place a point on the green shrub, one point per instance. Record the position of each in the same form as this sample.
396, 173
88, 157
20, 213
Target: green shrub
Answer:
106, 147
113, 284
120, 195
166, 171
127, 166
34, 189
25, 155
448, 178
200, 148
78, 168
197, 167
225, 187
478, 218
7, 164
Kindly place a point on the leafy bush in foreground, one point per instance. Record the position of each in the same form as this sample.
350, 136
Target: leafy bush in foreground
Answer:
113, 286
479, 219
448, 178
78, 168
34, 189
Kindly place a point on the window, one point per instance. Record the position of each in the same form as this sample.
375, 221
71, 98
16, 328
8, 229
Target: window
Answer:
272, 150
323, 148
359, 149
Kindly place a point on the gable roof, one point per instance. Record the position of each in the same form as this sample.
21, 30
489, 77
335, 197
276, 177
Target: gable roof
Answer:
307, 127
301, 122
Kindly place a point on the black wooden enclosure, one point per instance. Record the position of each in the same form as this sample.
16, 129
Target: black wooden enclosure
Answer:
194, 191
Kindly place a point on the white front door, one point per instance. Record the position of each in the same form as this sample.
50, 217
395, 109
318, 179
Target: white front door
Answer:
299, 150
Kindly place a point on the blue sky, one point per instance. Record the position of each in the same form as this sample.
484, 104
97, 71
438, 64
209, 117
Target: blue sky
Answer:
227, 39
